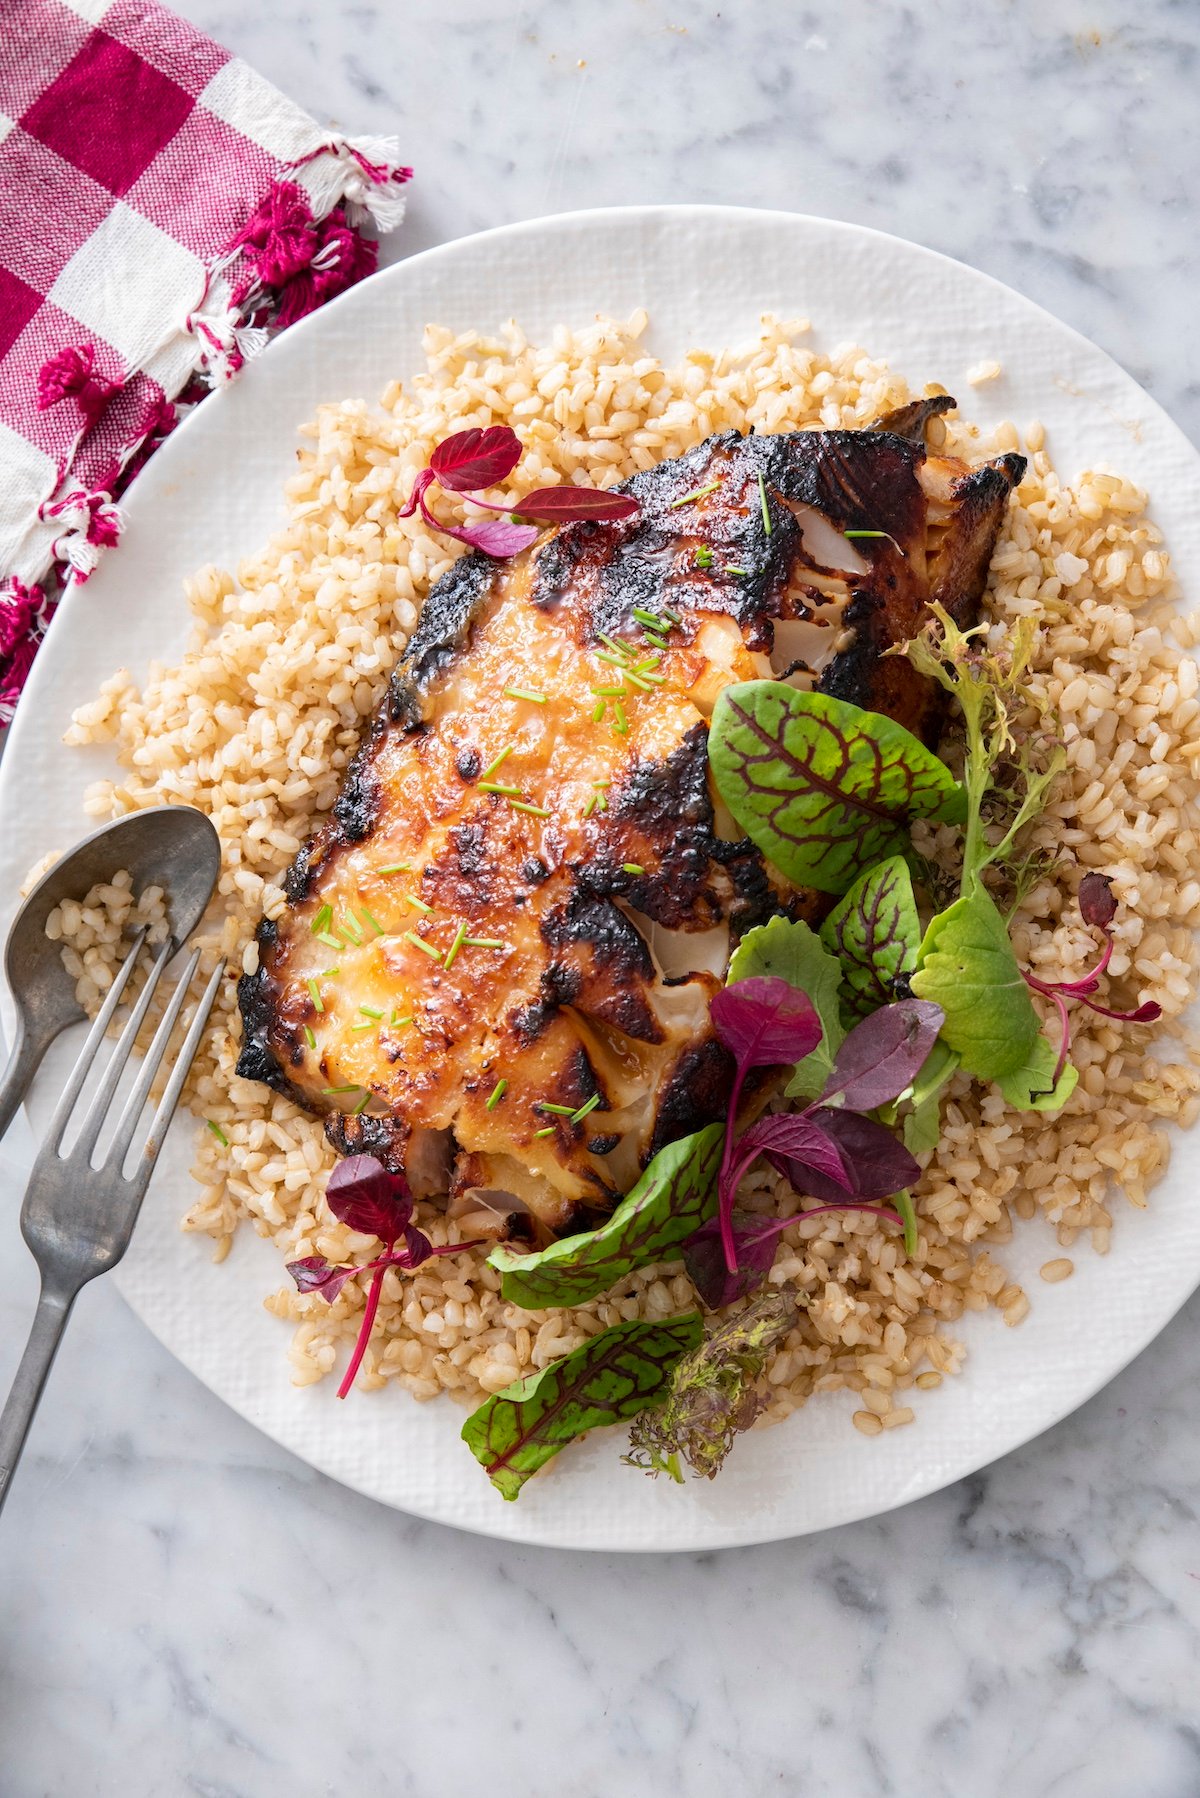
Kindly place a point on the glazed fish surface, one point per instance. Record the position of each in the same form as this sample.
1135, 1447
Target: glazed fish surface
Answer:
495, 967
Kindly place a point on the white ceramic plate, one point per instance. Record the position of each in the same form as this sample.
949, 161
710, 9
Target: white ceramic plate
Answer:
213, 494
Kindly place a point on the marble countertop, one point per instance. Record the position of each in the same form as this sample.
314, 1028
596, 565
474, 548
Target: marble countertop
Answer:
186, 1610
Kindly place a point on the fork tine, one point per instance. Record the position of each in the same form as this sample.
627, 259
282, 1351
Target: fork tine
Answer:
150, 1065
170, 1098
93, 1123
87, 1054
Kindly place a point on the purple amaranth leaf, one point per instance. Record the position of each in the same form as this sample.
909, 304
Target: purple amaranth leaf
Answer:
476, 458
494, 536
878, 1162
755, 1240
315, 1274
1097, 906
365, 1197
765, 1022
564, 505
416, 498
801, 1139
883, 1054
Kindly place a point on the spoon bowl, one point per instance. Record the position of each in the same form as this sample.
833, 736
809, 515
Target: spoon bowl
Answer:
171, 846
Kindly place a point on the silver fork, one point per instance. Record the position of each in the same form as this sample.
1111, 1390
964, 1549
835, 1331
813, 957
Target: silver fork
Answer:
77, 1218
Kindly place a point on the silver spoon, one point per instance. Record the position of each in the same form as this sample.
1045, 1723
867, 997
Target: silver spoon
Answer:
171, 846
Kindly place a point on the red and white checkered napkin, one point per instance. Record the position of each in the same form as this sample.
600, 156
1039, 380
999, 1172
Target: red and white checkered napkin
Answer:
162, 211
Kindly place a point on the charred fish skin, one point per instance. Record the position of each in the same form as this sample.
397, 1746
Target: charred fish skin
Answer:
511, 972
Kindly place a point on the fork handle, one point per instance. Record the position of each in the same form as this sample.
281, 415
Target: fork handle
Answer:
50, 1320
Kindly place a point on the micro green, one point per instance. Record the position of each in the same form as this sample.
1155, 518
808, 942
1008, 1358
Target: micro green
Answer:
418, 942
762, 500
696, 493
499, 761
362, 1195
460, 937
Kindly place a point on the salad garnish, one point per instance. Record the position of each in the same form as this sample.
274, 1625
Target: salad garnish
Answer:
470, 461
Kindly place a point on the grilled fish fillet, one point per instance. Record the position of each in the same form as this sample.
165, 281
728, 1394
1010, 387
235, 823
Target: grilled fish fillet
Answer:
527, 907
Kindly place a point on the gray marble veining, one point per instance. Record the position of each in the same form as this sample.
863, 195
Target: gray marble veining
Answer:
184, 1609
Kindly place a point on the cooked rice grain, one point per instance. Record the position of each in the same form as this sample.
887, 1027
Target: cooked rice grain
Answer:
257, 723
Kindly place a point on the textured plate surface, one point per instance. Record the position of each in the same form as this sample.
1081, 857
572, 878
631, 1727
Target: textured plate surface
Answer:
212, 494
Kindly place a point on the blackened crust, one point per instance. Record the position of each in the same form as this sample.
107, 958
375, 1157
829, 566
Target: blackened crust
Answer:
441, 631
257, 1002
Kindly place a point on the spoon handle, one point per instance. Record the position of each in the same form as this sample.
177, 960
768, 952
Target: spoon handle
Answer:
49, 1322
19, 1070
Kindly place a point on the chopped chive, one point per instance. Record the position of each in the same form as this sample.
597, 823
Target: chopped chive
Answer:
396, 1022
366, 1025
498, 786
620, 722
603, 806
562, 1111
330, 941
330, 973
651, 619
696, 493
650, 661
371, 920
351, 931
732, 568
362, 1105
577, 1117
460, 937
417, 904
314, 995
618, 649
492, 766
524, 693
218, 1133
548, 1131
322, 921
762, 494
355, 1086
484, 942
704, 556
309, 1037
853, 534
637, 680
396, 868
632, 868
369, 1011
591, 805
598, 710
496, 1094
420, 943
614, 661
654, 640
535, 811
608, 692
644, 676
673, 617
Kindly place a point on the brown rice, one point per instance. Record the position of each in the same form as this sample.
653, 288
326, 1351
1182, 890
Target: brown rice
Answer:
290, 655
